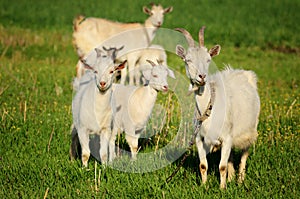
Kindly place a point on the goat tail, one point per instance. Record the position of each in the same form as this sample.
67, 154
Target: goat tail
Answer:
252, 79
77, 21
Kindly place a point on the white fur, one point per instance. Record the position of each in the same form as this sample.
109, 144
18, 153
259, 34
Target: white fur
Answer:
93, 107
134, 104
234, 116
91, 32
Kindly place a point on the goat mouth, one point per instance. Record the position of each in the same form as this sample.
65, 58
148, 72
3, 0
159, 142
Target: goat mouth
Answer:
102, 89
199, 83
165, 89
202, 83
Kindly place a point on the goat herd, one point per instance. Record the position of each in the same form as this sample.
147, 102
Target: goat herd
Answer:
227, 102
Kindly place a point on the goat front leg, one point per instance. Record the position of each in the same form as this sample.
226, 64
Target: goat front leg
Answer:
84, 142
203, 150
225, 153
112, 143
131, 62
137, 75
104, 140
242, 166
133, 144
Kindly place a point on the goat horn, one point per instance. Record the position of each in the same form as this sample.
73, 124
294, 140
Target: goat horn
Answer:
109, 49
201, 36
150, 62
187, 35
104, 48
118, 49
159, 61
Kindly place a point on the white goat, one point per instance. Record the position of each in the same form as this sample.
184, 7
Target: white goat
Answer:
135, 104
227, 104
90, 32
92, 106
153, 52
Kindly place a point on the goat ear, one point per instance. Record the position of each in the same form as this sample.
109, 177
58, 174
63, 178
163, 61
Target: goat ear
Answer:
171, 73
98, 51
86, 66
147, 10
147, 74
180, 51
169, 9
214, 51
121, 66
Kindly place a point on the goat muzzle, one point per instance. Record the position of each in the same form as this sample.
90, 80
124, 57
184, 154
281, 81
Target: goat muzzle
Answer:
165, 88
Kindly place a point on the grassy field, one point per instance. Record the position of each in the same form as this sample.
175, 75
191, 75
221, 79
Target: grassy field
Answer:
37, 64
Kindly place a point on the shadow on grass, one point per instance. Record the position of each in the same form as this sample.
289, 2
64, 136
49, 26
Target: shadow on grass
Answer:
213, 159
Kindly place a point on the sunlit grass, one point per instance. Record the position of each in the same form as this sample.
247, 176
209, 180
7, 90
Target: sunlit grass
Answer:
37, 66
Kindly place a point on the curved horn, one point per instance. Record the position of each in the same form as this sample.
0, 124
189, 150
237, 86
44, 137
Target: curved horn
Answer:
150, 62
201, 36
159, 61
188, 36
104, 48
118, 49
108, 49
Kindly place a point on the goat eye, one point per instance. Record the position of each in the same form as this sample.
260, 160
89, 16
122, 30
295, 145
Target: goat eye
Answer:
111, 72
96, 72
155, 76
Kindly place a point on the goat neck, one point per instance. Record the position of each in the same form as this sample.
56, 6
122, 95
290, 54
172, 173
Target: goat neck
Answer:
144, 97
149, 91
203, 95
150, 31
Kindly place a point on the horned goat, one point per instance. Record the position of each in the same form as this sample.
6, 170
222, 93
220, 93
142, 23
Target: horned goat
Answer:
134, 104
90, 32
227, 107
80, 67
153, 52
92, 106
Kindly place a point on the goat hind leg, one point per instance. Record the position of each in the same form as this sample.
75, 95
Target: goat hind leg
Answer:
242, 166
230, 168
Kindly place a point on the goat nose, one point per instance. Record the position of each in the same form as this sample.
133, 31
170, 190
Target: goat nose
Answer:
102, 84
202, 76
165, 88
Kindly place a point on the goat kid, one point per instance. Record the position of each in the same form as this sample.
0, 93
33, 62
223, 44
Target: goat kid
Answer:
135, 104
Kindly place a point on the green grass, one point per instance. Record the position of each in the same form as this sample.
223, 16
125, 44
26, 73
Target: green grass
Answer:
37, 64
